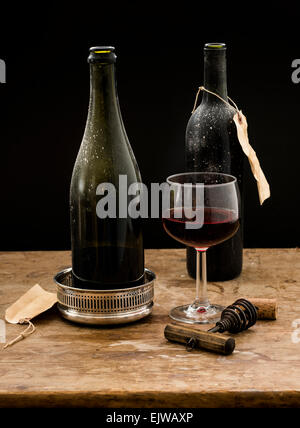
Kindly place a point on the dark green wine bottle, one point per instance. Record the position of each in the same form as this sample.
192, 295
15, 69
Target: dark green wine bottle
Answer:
107, 252
212, 146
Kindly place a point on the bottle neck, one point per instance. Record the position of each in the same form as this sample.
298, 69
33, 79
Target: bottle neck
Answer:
215, 78
103, 94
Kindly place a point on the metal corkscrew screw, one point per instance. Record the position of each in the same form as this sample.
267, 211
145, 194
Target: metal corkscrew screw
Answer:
237, 317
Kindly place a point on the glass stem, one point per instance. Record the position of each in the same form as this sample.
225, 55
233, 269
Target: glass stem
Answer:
201, 279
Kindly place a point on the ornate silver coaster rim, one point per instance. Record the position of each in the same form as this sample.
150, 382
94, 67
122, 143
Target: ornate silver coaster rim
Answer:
104, 306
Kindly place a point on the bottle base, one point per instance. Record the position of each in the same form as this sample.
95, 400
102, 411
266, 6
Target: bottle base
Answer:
197, 315
104, 306
95, 285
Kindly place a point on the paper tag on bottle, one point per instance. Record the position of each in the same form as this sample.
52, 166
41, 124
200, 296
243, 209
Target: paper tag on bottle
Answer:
242, 133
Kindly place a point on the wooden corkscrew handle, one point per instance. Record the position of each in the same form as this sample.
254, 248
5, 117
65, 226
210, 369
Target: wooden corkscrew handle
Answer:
194, 338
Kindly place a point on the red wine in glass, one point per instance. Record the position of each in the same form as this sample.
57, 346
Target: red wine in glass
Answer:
218, 225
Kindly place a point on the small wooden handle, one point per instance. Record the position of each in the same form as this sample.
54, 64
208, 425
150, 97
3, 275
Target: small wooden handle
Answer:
202, 339
267, 309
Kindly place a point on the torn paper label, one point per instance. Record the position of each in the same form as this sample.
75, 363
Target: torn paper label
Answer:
32, 303
242, 133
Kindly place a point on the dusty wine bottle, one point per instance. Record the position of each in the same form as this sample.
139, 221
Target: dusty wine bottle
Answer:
212, 146
107, 252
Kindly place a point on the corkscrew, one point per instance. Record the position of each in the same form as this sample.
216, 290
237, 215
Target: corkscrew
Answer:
239, 316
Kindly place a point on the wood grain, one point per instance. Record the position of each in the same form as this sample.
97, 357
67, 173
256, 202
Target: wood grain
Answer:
64, 364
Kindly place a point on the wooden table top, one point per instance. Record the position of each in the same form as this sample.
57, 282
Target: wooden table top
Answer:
65, 364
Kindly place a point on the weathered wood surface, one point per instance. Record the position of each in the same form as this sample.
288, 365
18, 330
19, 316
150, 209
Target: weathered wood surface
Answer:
64, 364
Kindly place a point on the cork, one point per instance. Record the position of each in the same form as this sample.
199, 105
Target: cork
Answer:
267, 309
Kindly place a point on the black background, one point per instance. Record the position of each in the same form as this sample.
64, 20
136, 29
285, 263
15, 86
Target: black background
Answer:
44, 104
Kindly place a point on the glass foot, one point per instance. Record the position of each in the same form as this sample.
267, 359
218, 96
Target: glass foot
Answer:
197, 315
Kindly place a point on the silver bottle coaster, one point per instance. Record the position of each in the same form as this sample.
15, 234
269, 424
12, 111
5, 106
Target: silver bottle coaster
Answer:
104, 306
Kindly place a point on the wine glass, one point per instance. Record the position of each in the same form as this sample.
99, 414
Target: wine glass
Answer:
204, 210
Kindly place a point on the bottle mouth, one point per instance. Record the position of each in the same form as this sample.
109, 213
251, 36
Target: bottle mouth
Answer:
215, 46
102, 54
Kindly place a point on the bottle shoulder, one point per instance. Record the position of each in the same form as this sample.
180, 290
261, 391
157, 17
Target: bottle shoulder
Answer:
211, 122
102, 161
214, 114
211, 142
